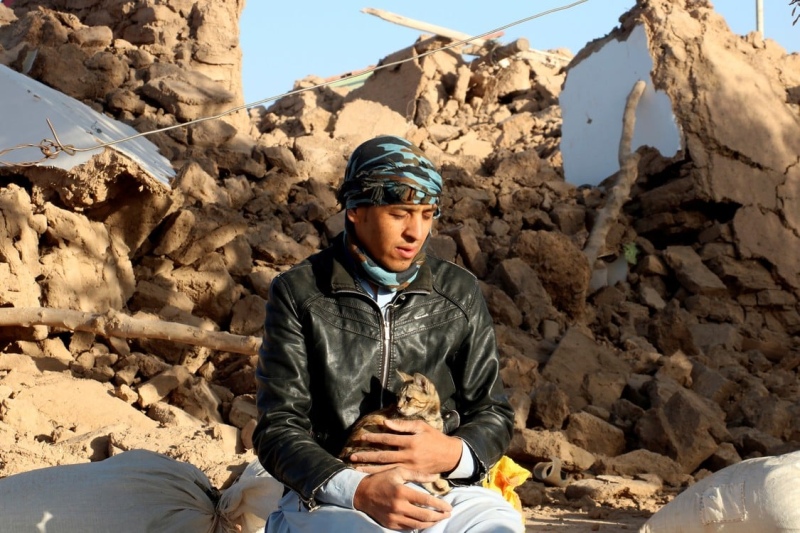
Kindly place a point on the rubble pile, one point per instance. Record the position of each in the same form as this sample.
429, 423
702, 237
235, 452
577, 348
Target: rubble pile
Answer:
676, 355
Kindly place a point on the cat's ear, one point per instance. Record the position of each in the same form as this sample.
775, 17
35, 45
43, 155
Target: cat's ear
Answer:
422, 382
405, 378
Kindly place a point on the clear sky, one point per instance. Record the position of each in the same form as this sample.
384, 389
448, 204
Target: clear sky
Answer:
286, 40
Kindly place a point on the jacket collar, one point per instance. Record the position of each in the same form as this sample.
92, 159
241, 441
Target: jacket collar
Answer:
342, 276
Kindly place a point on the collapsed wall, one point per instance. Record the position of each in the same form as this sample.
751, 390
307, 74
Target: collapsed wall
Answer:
685, 359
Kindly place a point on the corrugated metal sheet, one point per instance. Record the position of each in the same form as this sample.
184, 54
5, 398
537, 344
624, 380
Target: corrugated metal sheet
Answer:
25, 107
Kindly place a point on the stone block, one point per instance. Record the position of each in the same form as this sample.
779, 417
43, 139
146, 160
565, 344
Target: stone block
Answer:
153, 297
642, 461
767, 413
560, 265
248, 315
578, 356
501, 306
570, 219
549, 406
725, 455
199, 399
243, 410
520, 401
687, 429
751, 442
595, 435
706, 336
159, 387
609, 489
170, 415
470, 251
692, 273
710, 384
534, 446
517, 278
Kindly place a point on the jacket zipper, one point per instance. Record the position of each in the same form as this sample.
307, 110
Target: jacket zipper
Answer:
386, 330
386, 334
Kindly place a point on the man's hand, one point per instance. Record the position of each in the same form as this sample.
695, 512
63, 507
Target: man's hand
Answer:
385, 497
416, 446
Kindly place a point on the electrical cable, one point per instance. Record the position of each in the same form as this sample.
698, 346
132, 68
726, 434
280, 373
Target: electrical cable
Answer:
52, 148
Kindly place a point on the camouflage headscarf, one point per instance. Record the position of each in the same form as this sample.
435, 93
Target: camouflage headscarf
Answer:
387, 170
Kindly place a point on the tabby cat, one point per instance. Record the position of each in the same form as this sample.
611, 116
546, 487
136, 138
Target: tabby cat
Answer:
416, 400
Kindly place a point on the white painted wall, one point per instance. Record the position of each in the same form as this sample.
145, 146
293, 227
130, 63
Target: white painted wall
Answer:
593, 103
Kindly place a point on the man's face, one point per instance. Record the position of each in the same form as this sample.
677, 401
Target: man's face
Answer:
392, 234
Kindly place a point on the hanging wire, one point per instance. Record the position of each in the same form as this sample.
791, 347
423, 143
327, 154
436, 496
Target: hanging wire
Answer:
52, 148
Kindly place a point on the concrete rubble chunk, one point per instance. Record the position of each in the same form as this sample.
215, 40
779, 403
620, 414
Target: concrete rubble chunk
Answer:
188, 95
692, 273
524, 165
533, 446
670, 330
350, 126
172, 416
153, 297
607, 488
248, 315
560, 265
711, 384
549, 406
160, 386
595, 435
93, 36
210, 287
752, 442
501, 306
642, 462
575, 358
280, 157
470, 251
687, 428
768, 414
520, 400
243, 411
725, 456
198, 398
706, 336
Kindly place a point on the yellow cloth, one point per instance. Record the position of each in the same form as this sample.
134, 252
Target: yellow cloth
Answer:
504, 477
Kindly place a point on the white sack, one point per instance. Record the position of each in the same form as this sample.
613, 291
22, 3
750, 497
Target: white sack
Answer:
755, 496
250, 500
134, 492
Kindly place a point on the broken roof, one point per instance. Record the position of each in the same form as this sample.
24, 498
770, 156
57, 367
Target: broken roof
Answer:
27, 105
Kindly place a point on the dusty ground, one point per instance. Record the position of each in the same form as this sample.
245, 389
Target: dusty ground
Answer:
551, 518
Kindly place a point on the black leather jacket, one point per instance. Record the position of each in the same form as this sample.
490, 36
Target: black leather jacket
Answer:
329, 356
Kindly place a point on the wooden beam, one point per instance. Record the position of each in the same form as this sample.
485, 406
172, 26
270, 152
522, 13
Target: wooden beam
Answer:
481, 43
423, 26
114, 324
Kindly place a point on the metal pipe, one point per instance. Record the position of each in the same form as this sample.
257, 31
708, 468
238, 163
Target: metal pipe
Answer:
760, 17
